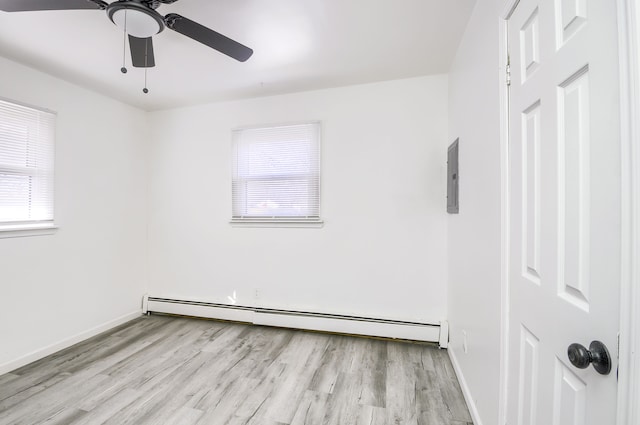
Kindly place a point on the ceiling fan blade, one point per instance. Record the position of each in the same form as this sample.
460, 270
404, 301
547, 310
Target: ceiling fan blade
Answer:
141, 52
33, 5
208, 37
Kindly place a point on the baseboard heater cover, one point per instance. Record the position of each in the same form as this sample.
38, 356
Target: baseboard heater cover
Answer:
431, 332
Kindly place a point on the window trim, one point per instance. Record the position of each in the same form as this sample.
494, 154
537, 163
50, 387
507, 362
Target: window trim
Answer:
27, 228
277, 222
15, 229
281, 221
28, 105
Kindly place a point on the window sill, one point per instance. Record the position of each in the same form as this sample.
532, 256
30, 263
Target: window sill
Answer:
248, 222
24, 230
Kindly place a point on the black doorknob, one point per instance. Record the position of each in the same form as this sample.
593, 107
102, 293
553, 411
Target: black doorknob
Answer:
597, 354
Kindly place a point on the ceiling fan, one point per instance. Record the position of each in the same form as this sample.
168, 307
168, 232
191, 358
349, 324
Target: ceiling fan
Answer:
139, 19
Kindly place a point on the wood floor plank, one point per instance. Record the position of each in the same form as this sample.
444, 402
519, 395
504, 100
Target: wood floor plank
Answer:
279, 389
167, 370
450, 388
155, 397
370, 415
282, 404
63, 417
371, 362
226, 410
20, 396
333, 362
227, 336
343, 403
8, 377
85, 352
184, 416
454, 401
443, 366
102, 412
15, 386
401, 383
233, 362
47, 404
311, 409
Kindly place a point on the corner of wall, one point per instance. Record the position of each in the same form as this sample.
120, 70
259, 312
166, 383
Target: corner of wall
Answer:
474, 235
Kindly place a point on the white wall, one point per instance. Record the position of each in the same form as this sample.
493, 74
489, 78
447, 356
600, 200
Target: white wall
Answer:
91, 272
474, 234
382, 250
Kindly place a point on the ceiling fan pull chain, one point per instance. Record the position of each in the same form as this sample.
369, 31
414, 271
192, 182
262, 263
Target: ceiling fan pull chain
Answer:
124, 45
145, 90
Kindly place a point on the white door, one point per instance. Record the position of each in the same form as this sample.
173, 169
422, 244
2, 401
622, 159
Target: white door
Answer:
565, 203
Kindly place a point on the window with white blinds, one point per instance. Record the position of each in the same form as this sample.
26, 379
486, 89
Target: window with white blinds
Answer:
276, 173
26, 165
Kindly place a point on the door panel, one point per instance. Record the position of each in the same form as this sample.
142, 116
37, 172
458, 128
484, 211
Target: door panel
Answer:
528, 391
574, 190
570, 397
531, 193
564, 158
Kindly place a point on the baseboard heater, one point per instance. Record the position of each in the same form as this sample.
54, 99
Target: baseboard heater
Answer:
431, 332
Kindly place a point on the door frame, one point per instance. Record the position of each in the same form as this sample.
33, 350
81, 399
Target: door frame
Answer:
505, 239
629, 337
629, 344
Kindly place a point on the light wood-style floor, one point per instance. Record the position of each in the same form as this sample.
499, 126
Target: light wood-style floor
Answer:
169, 370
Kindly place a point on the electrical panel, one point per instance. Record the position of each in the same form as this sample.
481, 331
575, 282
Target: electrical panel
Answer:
452, 178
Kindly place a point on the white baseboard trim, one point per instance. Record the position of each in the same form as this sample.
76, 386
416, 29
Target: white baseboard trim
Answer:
466, 392
65, 343
301, 320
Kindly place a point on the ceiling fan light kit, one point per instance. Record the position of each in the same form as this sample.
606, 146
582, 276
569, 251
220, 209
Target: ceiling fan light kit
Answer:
139, 19
135, 19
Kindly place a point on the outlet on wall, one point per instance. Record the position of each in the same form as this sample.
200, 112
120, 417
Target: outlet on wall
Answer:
464, 342
256, 293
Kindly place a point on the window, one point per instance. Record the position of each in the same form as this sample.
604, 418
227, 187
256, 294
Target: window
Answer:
26, 167
276, 174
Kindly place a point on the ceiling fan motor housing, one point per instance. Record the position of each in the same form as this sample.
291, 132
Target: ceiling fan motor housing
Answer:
136, 18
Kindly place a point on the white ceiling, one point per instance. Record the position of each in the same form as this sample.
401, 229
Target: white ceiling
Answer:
298, 44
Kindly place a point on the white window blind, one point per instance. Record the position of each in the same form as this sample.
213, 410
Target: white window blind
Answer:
276, 173
26, 164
